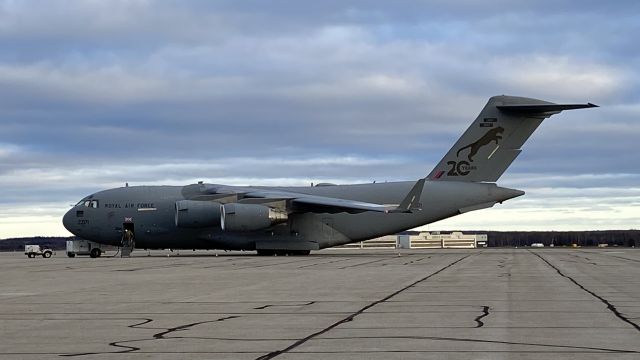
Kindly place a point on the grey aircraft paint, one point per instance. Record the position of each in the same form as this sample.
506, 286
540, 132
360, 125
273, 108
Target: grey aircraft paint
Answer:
296, 220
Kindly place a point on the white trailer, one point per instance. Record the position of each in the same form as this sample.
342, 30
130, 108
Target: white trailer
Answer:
84, 247
36, 250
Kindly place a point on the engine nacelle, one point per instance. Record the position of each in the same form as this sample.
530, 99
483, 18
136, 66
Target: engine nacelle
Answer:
197, 214
249, 217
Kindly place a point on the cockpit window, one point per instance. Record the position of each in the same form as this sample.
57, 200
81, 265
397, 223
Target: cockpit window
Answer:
89, 203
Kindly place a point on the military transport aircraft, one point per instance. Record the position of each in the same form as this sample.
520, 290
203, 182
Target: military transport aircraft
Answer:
296, 220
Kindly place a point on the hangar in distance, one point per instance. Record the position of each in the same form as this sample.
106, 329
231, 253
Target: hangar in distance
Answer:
297, 220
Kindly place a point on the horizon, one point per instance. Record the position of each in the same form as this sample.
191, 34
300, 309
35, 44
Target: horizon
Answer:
412, 230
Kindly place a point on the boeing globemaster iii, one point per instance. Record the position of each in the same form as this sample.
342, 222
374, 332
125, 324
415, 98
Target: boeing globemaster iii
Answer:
297, 220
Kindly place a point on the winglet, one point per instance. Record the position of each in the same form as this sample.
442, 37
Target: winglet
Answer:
412, 200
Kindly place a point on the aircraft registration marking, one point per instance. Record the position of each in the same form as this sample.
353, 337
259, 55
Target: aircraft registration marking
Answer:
148, 205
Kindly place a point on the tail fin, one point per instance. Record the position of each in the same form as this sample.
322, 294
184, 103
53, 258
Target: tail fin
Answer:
493, 141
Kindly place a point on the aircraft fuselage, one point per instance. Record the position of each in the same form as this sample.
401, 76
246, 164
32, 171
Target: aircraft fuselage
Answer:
151, 212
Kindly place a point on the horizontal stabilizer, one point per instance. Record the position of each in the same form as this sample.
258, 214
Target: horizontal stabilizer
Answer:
542, 108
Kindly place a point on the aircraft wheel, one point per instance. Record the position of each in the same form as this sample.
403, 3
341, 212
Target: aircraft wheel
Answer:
46, 254
70, 254
95, 253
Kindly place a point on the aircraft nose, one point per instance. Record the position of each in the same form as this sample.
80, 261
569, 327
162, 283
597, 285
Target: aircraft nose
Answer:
67, 220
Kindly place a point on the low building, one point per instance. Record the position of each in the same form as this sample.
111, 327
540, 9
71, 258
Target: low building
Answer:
383, 242
456, 240
423, 240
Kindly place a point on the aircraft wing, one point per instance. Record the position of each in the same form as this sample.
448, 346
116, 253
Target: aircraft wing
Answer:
328, 204
312, 203
298, 202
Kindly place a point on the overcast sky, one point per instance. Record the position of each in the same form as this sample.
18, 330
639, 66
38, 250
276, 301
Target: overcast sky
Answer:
94, 94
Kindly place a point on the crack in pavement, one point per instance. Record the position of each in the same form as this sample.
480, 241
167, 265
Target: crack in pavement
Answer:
413, 261
270, 305
352, 316
158, 336
485, 313
161, 335
610, 306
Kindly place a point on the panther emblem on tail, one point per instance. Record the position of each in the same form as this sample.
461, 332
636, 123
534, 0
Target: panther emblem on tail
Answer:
492, 135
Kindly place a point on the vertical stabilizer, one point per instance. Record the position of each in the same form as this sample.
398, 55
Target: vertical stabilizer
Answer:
494, 139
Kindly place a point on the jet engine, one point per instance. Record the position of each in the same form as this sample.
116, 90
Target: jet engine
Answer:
249, 217
196, 214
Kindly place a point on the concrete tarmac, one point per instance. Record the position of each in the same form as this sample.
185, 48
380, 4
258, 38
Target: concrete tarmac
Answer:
334, 304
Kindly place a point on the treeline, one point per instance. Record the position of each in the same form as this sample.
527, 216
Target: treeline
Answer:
17, 244
562, 238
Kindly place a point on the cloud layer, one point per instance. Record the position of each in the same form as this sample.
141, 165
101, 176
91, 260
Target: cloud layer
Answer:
93, 94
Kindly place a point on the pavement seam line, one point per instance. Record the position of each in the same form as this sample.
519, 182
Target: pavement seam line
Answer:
606, 254
610, 306
273, 354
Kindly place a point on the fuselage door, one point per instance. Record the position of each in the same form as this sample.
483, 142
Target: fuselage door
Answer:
128, 239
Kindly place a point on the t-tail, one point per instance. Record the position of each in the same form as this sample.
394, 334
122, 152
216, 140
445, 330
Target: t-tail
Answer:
494, 140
